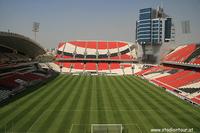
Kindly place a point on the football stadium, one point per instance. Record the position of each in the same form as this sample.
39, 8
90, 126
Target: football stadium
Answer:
101, 86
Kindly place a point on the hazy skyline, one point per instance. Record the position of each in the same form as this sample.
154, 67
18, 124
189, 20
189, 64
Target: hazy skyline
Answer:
64, 20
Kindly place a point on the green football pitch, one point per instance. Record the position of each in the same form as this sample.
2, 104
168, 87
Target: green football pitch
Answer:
72, 103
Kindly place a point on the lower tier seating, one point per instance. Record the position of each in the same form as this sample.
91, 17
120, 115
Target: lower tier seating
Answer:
13, 81
184, 82
4, 94
116, 68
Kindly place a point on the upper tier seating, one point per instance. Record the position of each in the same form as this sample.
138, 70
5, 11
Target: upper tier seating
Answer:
196, 61
181, 53
194, 56
112, 49
98, 44
95, 50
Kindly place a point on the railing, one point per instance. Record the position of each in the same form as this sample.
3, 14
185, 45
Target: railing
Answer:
96, 60
193, 65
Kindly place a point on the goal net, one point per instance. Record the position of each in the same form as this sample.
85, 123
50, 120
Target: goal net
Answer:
106, 128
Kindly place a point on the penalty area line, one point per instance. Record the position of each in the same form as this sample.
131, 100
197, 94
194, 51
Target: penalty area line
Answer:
72, 125
135, 125
128, 124
106, 110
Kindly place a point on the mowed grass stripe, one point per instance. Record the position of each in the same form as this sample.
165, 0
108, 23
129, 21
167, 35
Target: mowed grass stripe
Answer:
180, 104
159, 106
93, 115
19, 113
134, 99
151, 103
65, 124
82, 99
143, 102
129, 117
191, 120
36, 113
114, 99
102, 118
136, 115
107, 103
17, 102
113, 105
49, 115
123, 98
122, 111
59, 109
86, 103
132, 121
168, 96
171, 108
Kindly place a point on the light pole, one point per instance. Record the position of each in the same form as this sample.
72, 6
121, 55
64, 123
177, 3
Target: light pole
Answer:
35, 28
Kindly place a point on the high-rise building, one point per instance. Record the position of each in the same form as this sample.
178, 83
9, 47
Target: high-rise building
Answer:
153, 28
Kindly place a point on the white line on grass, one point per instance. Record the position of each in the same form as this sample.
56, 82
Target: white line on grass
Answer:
137, 126
71, 128
37, 120
72, 125
94, 110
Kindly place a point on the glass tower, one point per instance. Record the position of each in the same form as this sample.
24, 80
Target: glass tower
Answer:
153, 27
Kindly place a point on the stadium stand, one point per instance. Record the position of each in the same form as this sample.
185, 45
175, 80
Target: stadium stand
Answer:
181, 53
106, 57
4, 94
18, 66
178, 73
194, 57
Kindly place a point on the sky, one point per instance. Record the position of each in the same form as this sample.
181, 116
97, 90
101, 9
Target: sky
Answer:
66, 20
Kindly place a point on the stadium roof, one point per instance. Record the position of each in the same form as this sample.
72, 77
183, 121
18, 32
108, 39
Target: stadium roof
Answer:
21, 43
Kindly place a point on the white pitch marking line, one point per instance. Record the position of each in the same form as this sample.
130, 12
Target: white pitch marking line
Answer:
71, 128
37, 120
72, 125
135, 125
93, 110
138, 128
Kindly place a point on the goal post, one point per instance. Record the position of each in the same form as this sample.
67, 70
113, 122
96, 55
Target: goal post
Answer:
106, 128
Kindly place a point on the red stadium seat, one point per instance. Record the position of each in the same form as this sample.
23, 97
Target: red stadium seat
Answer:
196, 100
181, 54
103, 66
90, 66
